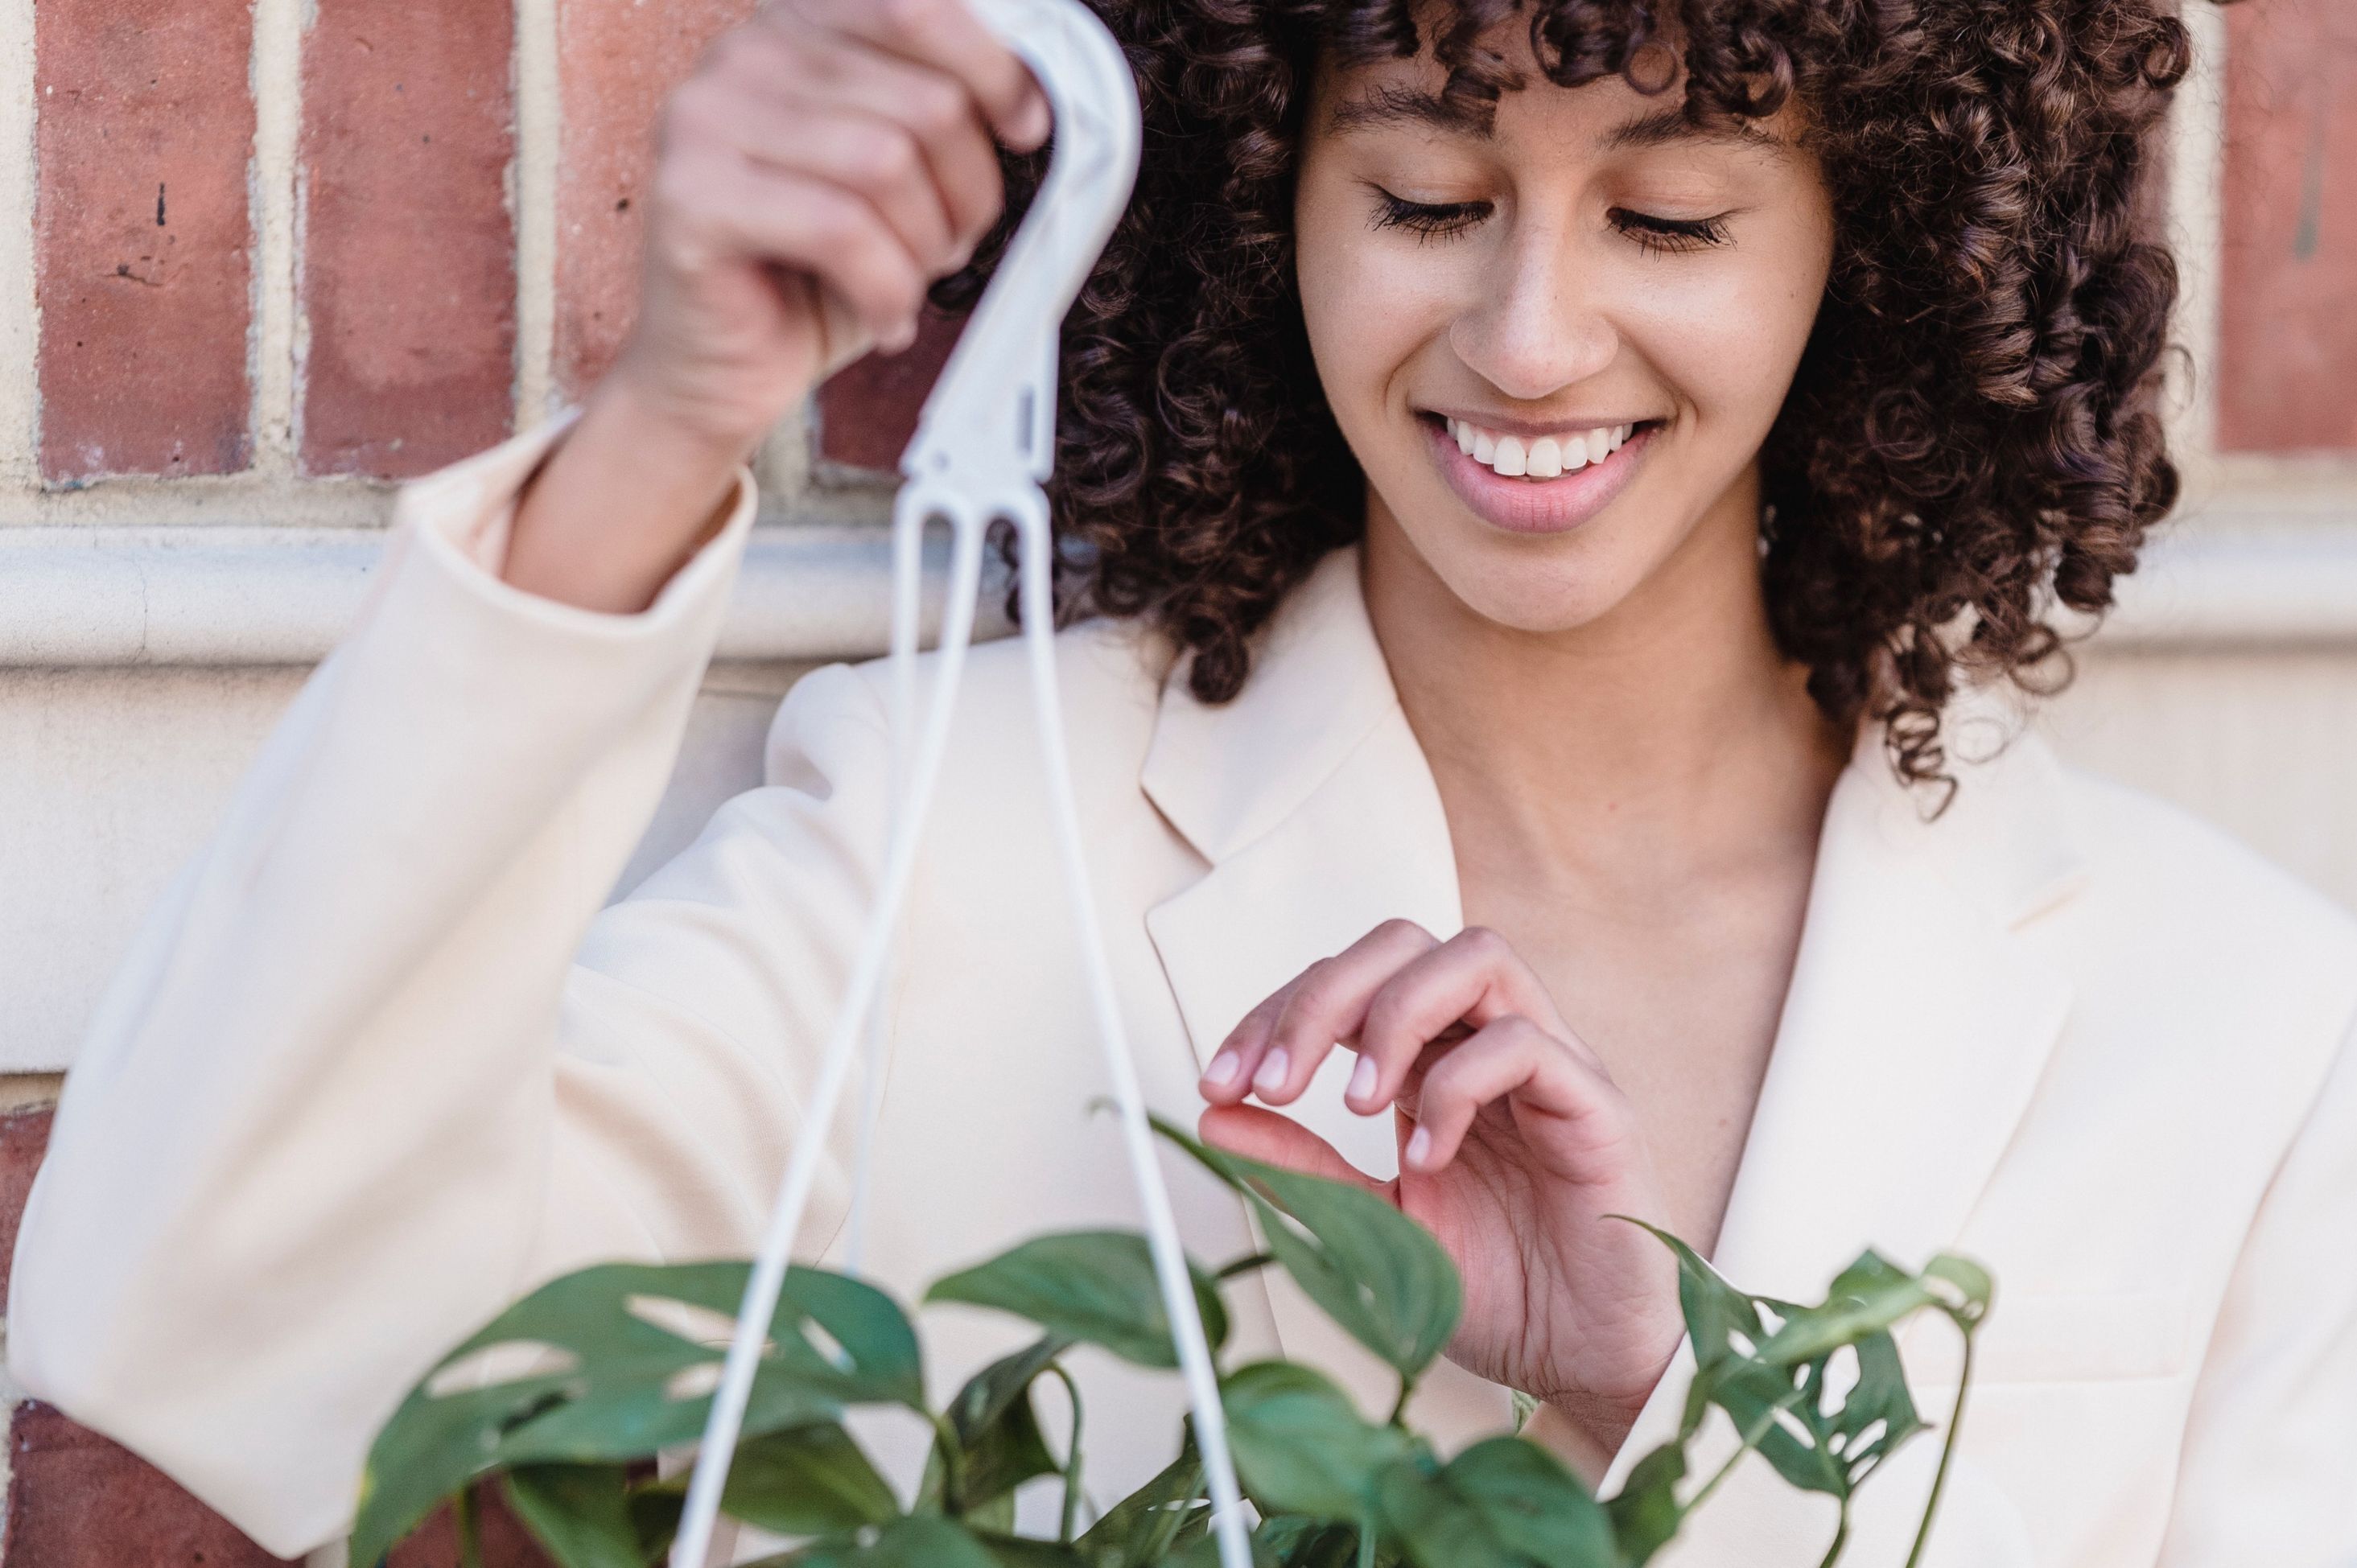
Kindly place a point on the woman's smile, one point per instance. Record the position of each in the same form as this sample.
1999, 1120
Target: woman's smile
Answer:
1529, 479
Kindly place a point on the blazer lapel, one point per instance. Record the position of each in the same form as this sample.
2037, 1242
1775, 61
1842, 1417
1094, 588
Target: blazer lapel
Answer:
1919, 1022
1917, 1026
1312, 801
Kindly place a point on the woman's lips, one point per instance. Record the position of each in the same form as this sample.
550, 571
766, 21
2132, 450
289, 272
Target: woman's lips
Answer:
1536, 506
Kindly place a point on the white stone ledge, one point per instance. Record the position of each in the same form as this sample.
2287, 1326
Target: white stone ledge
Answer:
100, 598
114, 597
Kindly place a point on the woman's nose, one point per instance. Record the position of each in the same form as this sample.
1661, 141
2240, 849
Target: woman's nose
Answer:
1539, 326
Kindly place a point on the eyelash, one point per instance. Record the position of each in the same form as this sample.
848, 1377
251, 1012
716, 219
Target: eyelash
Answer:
1444, 219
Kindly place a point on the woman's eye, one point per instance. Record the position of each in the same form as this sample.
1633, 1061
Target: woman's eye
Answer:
1671, 234
1427, 218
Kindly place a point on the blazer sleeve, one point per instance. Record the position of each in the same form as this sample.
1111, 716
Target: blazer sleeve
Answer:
2271, 1444
378, 1063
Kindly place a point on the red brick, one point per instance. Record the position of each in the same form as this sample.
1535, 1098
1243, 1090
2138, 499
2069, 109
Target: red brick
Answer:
868, 411
142, 236
24, 1139
76, 1501
618, 61
2288, 363
409, 246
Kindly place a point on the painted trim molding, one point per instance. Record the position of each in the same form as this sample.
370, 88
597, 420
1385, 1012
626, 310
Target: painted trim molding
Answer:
115, 598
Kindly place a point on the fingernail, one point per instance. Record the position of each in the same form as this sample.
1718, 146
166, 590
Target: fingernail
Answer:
1223, 1069
1362, 1078
1272, 1069
1420, 1147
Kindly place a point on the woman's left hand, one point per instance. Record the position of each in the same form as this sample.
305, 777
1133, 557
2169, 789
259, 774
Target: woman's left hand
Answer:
1516, 1150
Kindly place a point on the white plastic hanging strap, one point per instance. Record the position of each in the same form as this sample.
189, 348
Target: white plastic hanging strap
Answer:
984, 442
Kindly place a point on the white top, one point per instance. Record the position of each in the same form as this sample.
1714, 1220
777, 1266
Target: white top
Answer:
379, 1062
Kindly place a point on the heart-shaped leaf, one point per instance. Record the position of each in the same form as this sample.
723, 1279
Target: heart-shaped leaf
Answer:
1373, 1270
1094, 1286
1302, 1447
912, 1541
580, 1514
1535, 1510
1139, 1528
997, 1430
806, 1480
1645, 1512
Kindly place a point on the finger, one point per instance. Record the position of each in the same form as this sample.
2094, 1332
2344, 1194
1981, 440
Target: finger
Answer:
948, 37
1326, 1005
724, 206
820, 73
1227, 1077
1474, 978
1514, 1059
875, 158
1280, 1141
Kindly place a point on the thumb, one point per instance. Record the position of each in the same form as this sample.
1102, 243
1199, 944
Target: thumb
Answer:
1264, 1135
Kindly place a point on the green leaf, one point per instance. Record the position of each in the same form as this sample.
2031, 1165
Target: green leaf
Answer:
1094, 1286
1865, 1298
912, 1541
1373, 1270
999, 1442
806, 1480
1022, 1552
1500, 1504
1203, 1551
1534, 1508
1973, 1291
580, 1514
1296, 1541
1302, 1447
627, 1387
1646, 1512
1139, 1528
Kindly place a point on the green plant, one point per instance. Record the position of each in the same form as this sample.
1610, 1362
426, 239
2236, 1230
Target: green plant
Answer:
614, 1375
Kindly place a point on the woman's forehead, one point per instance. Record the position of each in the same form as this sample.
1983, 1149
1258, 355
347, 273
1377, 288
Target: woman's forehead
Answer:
1606, 114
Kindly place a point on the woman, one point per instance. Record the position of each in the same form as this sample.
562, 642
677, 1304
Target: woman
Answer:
1545, 478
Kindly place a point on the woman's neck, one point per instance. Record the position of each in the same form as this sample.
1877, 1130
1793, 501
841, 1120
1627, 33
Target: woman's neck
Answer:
1665, 745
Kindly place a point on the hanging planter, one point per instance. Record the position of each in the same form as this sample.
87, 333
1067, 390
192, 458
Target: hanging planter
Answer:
571, 1445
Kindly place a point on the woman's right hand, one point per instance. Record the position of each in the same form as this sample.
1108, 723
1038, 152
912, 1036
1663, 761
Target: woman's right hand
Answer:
826, 163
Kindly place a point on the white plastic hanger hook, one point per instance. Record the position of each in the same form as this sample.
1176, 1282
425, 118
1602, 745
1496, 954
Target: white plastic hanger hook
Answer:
984, 442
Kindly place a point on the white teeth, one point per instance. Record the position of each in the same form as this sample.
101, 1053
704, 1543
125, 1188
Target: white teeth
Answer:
1544, 458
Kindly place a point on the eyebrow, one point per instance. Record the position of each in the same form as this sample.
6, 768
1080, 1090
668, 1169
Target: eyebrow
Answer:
1393, 103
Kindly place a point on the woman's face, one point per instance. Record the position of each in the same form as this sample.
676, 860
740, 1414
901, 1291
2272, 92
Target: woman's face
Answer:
1606, 304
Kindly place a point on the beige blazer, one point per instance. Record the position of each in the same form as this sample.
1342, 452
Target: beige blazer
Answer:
380, 1061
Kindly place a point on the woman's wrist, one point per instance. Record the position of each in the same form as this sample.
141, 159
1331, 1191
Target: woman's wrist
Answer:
622, 503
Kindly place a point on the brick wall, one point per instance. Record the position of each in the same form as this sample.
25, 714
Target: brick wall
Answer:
282, 252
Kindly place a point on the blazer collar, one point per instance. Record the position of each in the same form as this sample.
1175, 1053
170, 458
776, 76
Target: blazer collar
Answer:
1918, 1017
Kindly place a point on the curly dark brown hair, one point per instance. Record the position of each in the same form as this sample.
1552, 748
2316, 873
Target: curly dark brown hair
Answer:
1973, 434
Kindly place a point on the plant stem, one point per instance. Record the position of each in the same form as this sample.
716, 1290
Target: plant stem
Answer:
1751, 1440
1841, 1537
462, 1515
1399, 1406
1947, 1449
1367, 1543
1072, 1457
945, 1444
1245, 1266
